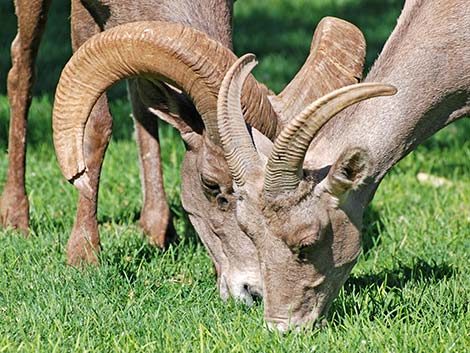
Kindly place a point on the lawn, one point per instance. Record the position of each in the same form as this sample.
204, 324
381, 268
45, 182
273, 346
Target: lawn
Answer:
409, 292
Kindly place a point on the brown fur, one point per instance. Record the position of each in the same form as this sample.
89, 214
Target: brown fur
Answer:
32, 16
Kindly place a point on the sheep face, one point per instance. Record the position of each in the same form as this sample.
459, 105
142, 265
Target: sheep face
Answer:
207, 197
307, 241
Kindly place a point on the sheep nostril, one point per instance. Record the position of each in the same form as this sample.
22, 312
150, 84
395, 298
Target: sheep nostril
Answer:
222, 203
253, 292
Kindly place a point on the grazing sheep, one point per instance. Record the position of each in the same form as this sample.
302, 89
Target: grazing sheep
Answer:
304, 207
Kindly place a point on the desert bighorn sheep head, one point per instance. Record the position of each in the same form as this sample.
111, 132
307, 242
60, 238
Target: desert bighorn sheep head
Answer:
307, 237
190, 61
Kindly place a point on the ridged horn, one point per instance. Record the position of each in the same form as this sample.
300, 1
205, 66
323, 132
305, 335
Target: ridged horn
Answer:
336, 60
240, 153
183, 57
284, 167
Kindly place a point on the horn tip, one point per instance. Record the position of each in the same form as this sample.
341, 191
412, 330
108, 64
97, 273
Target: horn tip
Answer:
390, 90
248, 58
82, 182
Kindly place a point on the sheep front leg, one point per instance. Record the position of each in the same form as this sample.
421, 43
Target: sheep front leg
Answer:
84, 242
155, 218
32, 16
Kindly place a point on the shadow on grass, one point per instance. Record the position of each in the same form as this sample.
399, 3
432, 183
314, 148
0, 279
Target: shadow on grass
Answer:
128, 256
381, 294
131, 252
398, 278
372, 226
186, 233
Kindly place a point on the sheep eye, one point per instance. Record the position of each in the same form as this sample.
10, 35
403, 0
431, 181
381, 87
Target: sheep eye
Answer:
210, 186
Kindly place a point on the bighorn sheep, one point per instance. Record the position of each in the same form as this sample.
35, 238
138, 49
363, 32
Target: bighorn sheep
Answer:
207, 185
304, 208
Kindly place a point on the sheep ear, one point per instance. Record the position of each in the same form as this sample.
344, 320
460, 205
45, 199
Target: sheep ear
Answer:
191, 138
172, 106
349, 171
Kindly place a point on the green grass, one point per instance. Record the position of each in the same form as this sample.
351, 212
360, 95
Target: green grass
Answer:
410, 291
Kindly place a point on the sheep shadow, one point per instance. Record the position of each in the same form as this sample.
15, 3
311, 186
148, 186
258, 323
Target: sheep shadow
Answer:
364, 294
398, 278
128, 254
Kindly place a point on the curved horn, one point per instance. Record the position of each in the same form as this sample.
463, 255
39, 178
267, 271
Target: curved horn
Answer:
240, 153
284, 167
183, 57
336, 60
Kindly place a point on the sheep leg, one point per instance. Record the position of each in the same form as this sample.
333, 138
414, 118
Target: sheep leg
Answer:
155, 218
84, 242
32, 17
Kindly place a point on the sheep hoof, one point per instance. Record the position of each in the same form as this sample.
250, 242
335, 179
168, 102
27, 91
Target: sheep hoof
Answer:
158, 228
83, 248
14, 211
